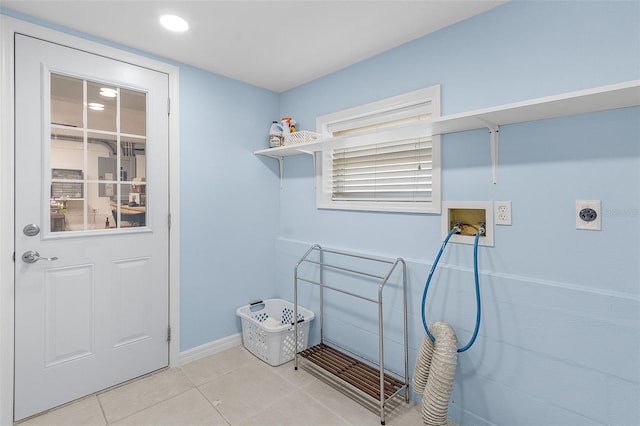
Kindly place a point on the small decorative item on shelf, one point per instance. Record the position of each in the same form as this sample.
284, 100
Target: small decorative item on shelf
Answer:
301, 136
288, 123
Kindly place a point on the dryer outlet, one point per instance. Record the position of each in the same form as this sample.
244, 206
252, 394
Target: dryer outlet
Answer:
589, 215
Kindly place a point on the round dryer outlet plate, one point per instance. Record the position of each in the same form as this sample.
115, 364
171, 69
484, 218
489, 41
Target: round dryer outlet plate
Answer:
588, 215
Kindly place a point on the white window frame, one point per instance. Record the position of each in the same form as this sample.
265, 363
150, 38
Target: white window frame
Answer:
374, 117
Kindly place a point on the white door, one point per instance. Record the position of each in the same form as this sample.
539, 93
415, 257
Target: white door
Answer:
91, 307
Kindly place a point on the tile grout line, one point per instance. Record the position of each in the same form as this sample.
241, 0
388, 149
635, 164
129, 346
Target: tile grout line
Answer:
108, 423
150, 406
304, 389
104, 415
322, 404
389, 407
197, 387
214, 407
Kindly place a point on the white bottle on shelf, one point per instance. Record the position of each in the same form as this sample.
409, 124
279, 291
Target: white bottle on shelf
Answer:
275, 135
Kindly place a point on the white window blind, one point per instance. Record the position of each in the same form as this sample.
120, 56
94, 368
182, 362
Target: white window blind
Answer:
381, 156
396, 171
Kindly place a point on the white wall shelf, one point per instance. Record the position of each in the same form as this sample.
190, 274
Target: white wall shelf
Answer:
296, 149
603, 98
621, 95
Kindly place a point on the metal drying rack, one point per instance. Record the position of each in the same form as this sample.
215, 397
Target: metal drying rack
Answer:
365, 376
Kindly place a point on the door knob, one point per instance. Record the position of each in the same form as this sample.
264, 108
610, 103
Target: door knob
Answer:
33, 256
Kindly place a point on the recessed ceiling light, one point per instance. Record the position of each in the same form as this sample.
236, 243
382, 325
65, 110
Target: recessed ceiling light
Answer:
96, 106
174, 23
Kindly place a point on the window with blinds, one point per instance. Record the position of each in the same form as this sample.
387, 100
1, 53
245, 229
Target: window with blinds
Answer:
397, 171
383, 156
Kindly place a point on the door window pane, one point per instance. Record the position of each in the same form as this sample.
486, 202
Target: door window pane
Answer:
132, 112
67, 149
131, 214
134, 160
66, 101
101, 149
101, 108
65, 203
98, 209
98, 156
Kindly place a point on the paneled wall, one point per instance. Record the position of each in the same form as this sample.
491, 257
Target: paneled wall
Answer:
560, 333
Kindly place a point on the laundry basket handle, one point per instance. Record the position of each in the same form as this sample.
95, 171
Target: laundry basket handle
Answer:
257, 306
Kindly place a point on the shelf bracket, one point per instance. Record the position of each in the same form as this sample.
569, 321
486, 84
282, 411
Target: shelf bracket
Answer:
494, 139
281, 165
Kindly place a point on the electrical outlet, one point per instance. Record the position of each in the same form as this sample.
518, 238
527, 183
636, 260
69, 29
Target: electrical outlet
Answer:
588, 215
502, 211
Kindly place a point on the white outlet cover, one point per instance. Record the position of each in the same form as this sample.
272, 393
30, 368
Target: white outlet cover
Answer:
502, 211
593, 225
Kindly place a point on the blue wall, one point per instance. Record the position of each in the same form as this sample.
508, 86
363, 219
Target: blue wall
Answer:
229, 203
560, 337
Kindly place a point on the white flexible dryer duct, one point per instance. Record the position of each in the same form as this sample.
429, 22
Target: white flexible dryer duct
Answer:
434, 373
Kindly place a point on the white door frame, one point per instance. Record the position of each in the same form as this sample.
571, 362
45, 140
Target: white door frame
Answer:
9, 26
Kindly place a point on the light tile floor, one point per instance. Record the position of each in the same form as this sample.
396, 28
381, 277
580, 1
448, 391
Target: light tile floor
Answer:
232, 387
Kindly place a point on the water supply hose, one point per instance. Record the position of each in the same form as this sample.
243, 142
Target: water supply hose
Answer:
426, 286
477, 282
477, 285
436, 364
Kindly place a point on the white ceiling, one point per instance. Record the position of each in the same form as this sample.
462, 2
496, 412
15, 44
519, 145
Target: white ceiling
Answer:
272, 44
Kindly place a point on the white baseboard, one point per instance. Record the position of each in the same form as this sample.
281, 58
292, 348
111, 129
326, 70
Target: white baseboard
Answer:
207, 349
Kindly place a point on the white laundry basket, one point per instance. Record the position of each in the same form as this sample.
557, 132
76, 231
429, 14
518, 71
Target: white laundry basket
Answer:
268, 329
